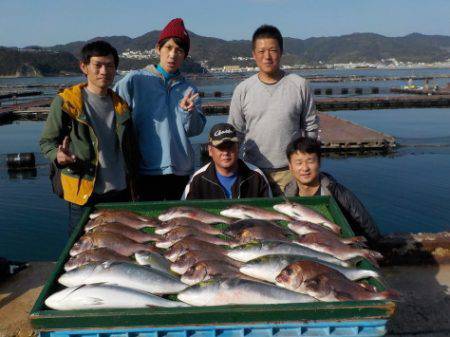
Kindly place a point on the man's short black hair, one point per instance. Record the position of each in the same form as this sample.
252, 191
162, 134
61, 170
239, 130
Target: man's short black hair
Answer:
305, 145
267, 32
178, 41
98, 48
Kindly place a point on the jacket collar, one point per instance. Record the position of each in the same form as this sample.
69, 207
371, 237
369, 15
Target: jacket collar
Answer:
177, 79
73, 103
326, 181
243, 173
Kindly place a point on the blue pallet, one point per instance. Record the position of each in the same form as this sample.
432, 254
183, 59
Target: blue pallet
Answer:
369, 328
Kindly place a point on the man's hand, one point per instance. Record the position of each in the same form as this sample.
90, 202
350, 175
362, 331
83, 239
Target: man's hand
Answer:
63, 155
187, 103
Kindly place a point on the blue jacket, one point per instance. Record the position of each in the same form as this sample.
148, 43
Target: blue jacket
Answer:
162, 127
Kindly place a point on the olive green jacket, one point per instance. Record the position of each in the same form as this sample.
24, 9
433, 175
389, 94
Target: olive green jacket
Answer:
67, 118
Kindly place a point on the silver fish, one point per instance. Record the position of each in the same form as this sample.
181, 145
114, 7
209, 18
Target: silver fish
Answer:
239, 291
124, 274
154, 260
268, 267
251, 212
303, 213
252, 251
193, 213
105, 297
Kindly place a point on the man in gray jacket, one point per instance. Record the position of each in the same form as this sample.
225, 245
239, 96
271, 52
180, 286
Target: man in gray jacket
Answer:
271, 108
304, 155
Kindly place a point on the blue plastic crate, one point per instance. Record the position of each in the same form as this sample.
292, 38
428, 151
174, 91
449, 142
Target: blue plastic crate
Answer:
369, 328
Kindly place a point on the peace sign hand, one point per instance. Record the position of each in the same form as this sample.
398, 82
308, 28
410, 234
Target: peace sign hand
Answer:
63, 155
187, 103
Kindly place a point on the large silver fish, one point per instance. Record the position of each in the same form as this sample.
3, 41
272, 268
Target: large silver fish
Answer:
268, 267
94, 255
129, 232
105, 297
193, 213
116, 242
239, 291
252, 251
251, 212
321, 243
303, 213
326, 284
125, 274
167, 226
187, 260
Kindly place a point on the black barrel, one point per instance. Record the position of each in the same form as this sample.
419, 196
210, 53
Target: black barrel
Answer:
20, 161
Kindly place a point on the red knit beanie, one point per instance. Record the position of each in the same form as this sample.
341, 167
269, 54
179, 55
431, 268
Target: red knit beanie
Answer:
175, 28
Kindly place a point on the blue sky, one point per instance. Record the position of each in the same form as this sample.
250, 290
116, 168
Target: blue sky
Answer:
46, 23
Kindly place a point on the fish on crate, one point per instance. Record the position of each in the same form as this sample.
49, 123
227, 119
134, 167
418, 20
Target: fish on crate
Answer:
189, 243
326, 284
129, 232
93, 255
133, 223
178, 233
240, 211
236, 291
116, 242
209, 269
125, 274
321, 243
152, 259
187, 260
248, 230
167, 226
303, 213
268, 267
106, 297
193, 213
254, 250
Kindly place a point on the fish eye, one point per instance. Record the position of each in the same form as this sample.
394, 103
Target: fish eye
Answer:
289, 271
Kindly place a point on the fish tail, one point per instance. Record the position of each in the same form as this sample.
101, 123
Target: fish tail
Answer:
372, 256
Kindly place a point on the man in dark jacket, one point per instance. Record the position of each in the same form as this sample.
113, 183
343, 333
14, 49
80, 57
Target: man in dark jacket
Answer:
226, 176
304, 156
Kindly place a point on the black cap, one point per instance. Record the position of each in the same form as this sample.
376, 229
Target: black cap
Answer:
221, 133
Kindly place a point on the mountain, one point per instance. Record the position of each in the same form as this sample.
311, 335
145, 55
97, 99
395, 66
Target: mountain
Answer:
215, 52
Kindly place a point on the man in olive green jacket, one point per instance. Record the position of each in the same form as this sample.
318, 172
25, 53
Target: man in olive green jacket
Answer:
88, 137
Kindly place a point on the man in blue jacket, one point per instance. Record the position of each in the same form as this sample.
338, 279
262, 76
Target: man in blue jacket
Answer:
166, 112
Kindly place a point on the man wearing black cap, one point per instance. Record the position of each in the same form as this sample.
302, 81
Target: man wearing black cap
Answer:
226, 176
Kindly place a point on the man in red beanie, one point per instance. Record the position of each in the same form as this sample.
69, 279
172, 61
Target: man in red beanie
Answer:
166, 112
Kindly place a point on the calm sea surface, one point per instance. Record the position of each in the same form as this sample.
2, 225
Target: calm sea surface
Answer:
405, 191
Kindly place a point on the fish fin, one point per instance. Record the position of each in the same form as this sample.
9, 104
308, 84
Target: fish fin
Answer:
93, 301
372, 256
354, 239
354, 261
